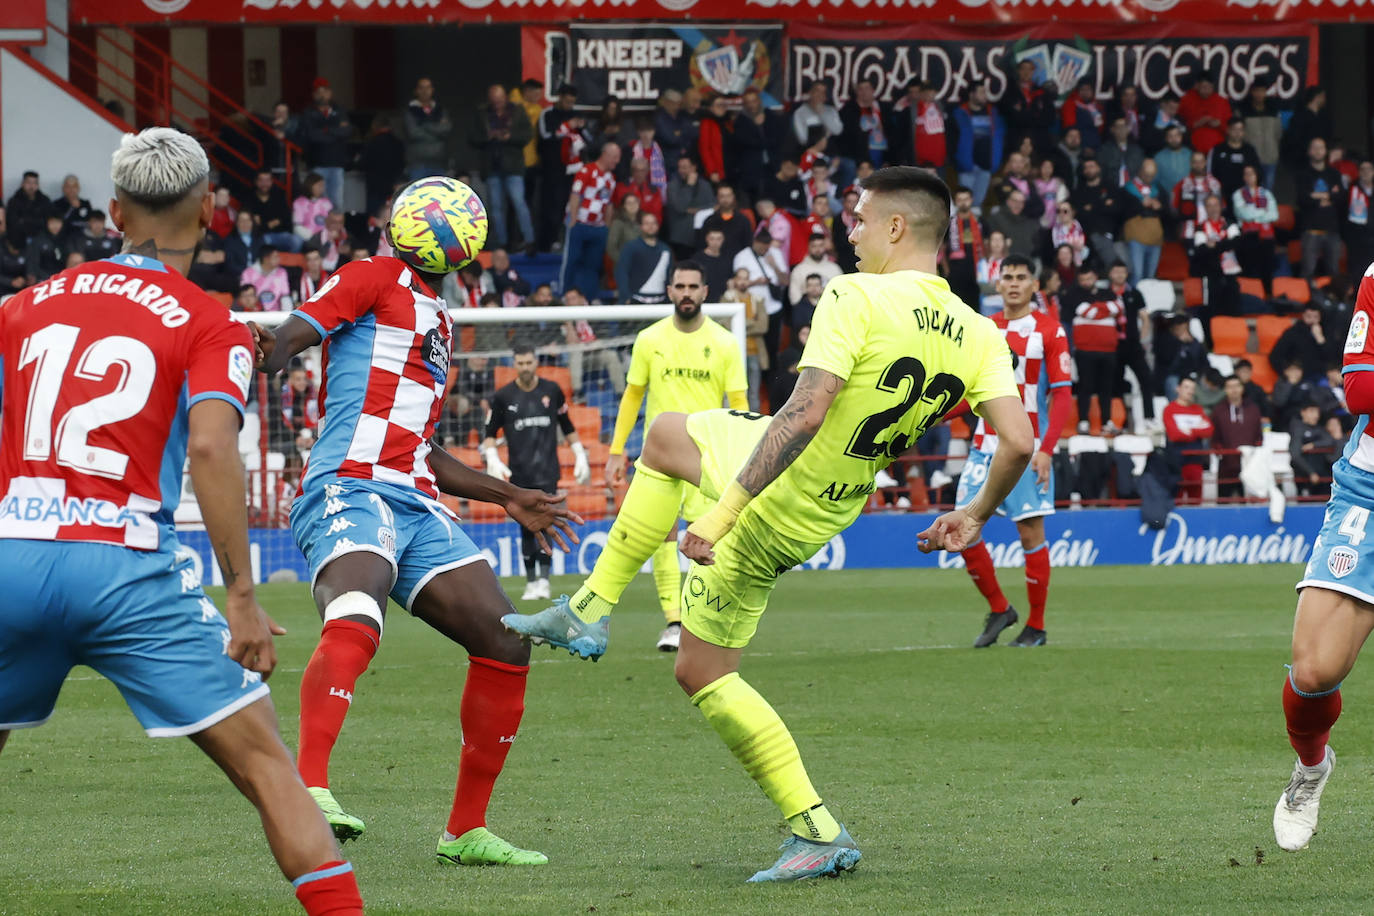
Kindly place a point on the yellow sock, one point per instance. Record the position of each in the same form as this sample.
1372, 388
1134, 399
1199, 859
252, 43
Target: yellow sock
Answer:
645, 518
668, 581
760, 741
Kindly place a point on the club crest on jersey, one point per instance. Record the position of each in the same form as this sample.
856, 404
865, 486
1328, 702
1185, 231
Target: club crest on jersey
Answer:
435, 354
1341, 561
1359, 333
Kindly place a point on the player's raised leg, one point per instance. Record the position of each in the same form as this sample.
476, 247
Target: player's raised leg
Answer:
650, 511
248, 748
1037, 553
1328, 633
466, 604
350, 593
722, 604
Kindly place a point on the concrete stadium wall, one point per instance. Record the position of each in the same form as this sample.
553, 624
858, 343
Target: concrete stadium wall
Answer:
44, 128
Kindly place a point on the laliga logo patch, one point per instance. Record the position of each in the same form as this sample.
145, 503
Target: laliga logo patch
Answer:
435, 354
1359, 333
1341, 561
241, 369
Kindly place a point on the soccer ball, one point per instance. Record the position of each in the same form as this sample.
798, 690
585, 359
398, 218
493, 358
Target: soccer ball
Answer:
438, 225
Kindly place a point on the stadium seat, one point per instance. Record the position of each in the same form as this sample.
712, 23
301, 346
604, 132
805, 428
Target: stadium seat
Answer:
1280, 461
960, 427
1250, 286
1287, 219
1230, 335
250, 434
587, 422
1262, 373
1158, 295
483, 512
1294, 288
1080, 444
1173, 263
958, 457
1269, 328
588, 502
1295, 251
1138, 447
223, 299
290, 259
1192, 292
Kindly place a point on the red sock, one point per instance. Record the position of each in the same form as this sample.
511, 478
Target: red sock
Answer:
1037, 584
978, 562
493, 702
1309, 721
345, 650
330, 890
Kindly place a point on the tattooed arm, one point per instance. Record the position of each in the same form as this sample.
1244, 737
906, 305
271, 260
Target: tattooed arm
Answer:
217, 476
787, 436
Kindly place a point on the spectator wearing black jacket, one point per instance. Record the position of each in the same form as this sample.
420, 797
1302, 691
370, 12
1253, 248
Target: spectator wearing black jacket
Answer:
94, 243
1318, 193
427, 127
1253, 392
674, 131
1358, 224
1310, 120
728, 218
1228, 159
382, 161
787, 189
1130, 351
271, 213
759, 135
46, 254
840, 229
27, 211
241, 246
325, 132
1306, 344
13, 276
1311, 448
74, 208
1120, 156
719, 268
1178, 355
1028, 110
865, 121
1099, 207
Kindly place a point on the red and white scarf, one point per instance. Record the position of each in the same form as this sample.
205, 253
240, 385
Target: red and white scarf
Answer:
956, 238
1073, 236
1357, 212
1259, 198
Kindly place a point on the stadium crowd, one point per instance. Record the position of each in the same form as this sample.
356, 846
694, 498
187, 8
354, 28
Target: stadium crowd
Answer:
1248, 210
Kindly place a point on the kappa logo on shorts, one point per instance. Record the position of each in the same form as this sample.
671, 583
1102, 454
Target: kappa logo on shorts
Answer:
343, 544
333, 490
339, 525
1342, 561
333, 507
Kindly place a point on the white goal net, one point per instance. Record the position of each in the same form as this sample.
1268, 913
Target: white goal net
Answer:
585, 350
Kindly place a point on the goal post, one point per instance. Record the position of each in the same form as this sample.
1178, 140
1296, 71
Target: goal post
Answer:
585, 350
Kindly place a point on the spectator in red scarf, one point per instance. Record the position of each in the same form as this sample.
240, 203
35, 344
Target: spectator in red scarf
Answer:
965, 248
865, 126
1082, 111
640, 184
1190, 193
1358, 228
1204, 113
1257, 212
1096, 319
921, 128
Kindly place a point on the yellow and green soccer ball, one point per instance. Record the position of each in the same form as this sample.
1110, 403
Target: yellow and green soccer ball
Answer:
438, 225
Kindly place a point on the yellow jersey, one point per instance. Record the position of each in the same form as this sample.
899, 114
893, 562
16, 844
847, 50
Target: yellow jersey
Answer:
685, 372
909, 350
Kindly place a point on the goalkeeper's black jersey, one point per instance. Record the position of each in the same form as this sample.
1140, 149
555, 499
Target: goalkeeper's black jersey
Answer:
531, 420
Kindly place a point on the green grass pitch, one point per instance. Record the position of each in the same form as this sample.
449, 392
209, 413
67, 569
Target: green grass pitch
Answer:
1129, 767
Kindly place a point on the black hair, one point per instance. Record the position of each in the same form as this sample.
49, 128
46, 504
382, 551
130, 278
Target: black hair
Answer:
243, 286
1019, 260
521, 349
265, 250
96, 214
1241, 364
933, 194
1087, 267
1235, 121
30, 174
817, 277
687, 264
531, 83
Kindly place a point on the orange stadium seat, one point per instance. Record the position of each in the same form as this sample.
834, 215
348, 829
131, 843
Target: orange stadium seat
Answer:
290, 259
1250, 286
482, 512
223, 299
560, 375
1230, 335
1262, 373
1173, 263
587, 422
1295, 251
1269, 329
1192, 292
1294, 288
1287, 219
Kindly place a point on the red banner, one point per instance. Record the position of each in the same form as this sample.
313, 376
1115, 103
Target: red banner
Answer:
964, 12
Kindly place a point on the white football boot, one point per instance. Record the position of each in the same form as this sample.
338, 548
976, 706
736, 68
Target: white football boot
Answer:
1295, 816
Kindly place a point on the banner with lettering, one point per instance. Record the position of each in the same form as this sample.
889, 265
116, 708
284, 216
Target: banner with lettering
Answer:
1091, 537
884, 13
637, 62
1157, 58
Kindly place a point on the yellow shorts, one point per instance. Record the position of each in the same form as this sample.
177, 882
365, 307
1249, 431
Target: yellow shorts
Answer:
722, 603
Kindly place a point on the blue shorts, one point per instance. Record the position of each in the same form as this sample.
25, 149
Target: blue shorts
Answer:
138, 617
1026, 500
1343, 554
415, 534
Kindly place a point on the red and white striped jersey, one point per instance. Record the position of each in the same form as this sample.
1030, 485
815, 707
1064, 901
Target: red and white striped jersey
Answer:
594, 189
387, 343
1041, 348
101, 365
